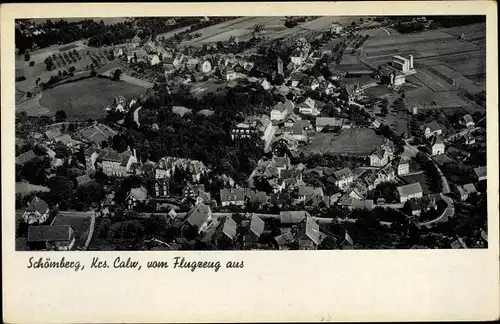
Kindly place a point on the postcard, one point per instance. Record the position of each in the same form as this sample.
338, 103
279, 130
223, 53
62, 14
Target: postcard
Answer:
250, 162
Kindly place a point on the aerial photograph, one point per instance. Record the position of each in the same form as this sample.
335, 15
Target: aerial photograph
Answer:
250, 133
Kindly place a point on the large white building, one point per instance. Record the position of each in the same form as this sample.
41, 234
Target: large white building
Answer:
402, 64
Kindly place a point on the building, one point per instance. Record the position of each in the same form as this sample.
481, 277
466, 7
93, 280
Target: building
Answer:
322, 122
199, 217
116, 164
22, 158
205, 66
308, 235
192, 191
167, 166
409, 191
307, 193
83, 180
379, 158
415, 207
279, 67
91, 155
431, 129
51, 238
226, 232
402, 64
293, 217
336, 28
480, 173
254, 126
232, 197
282, 110
403, 167
343, 178
308, 107
136, 197
36, 212
467, 121
252, 236
466, 191
437, 146
362, 204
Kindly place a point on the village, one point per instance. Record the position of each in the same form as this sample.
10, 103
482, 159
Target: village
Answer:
325, 138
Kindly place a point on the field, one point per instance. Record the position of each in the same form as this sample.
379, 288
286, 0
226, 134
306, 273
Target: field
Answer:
80, 223
356, 141
106, 20
274, 28
87, 98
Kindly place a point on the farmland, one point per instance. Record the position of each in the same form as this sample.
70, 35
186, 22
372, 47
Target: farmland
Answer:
357, 141
87, 98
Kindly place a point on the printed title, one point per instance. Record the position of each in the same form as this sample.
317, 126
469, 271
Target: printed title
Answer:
131, 264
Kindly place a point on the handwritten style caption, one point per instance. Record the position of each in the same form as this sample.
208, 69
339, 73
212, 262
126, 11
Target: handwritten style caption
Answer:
131, 264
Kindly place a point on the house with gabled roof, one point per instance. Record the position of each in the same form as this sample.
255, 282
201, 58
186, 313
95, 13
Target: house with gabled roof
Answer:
284, 240
480, 173
52, 133
322, 122
467, 121
343, 178
116, 164
432, 128
403, 166
199, 217
22, 158
409, 191
437, 146
83, 180
379, 158
226, 231
308, 235
137, 196
252, 236
232, 196
36, 212
51, 238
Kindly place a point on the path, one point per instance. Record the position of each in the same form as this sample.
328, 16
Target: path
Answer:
386, 31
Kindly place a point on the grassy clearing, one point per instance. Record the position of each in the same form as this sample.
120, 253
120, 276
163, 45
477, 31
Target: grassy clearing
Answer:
356, 141
87, 98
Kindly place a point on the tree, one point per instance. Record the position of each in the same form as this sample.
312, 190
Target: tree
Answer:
116, 75
28, 94
60, 116
32, 63
90, 193
93, 73
61, 188
27, 56
258, 28
384, 111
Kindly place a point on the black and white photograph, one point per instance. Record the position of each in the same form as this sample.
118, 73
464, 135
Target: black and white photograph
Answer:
250, 133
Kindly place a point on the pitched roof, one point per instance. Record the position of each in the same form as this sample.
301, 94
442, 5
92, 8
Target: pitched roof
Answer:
83, 179
52, 133
362, 204
310, 229
49, 233
293, 217
409, 189
328, 121
229, 228
139, 194
230, 195
64, 138
480, 171
343, 173
180, 110
198, 215
468, 119
257, 225
380, 152
469, 188
433, 126
284, 239
437, 140
25, 157
37, 205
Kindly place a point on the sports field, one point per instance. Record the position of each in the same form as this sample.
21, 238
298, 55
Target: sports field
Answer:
355, 141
